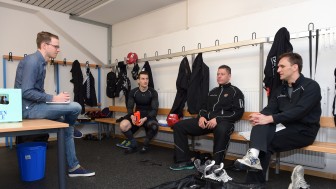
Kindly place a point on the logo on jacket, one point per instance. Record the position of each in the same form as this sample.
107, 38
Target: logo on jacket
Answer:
226, 95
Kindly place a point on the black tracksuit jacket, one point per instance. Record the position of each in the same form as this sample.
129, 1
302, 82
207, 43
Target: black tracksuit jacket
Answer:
281, 44
198, 86
182, 88
225, 102
302, 110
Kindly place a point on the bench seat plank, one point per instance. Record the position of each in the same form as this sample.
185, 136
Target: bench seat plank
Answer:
326, 122
106, 120
326, 147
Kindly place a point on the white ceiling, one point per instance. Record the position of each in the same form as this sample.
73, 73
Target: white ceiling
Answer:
114, 11
119, 10
104, 11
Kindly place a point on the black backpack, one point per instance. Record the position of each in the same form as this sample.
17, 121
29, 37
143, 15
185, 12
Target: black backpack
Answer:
107, 113
111, 84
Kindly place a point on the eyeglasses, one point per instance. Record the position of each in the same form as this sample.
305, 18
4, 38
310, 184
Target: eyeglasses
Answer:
56, 46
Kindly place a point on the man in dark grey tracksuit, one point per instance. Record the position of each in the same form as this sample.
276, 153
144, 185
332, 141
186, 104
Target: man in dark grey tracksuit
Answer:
224, 106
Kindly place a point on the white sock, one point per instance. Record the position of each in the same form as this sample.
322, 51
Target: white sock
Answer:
254, 152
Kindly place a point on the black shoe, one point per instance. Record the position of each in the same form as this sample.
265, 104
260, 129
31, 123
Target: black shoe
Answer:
131, 150
78, 134
144, 150
182, 166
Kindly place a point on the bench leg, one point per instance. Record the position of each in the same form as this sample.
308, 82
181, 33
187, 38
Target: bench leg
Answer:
113, 130
107, 131
277, 162
106, 128
99, 131
277, 165
267, 173
193, 143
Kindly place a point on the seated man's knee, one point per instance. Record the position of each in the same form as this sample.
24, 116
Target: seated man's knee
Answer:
125, 125
178, 126
153, 125
75, 106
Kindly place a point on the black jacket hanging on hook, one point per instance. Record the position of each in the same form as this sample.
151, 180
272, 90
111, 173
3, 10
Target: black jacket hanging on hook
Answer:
148, 69
111, 84
77, 80
90, 97
135, 71
123, 82
181, 87
333, 106
198, 88
280, 45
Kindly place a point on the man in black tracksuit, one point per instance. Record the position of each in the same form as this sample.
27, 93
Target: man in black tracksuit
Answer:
224, 106
296, 106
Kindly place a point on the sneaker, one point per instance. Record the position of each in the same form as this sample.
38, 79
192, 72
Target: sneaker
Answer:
124, 144
182, 166
78, 134
218, 174
248, 162
131, 150
201, 167
81, 172
144, 150
298, 179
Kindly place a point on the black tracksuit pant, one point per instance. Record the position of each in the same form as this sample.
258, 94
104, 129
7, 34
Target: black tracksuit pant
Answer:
293, 137
182, 129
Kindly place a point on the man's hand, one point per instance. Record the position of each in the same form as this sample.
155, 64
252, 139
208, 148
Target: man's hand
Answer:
62, 97
138, 123
211, 124
201, 122
133, 118
142, 121
260, 119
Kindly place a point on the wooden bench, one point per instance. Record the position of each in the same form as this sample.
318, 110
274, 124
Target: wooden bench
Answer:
325, 122
121, 109
162, 111
325, 147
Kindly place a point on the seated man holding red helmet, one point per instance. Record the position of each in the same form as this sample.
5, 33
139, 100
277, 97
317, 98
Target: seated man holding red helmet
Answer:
224, 106
145, 100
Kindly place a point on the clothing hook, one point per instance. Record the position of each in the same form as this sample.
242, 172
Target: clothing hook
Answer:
10, 56
235, 40
254, 36
217, 44
183, 50
311, 26
169, 52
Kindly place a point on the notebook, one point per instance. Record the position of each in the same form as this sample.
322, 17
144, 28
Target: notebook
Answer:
10, 105
67, 102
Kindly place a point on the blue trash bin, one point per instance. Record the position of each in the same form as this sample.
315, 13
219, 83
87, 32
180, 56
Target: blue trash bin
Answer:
31, 157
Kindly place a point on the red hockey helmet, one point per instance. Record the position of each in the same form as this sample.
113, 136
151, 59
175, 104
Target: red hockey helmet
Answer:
132, 58
172, 119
